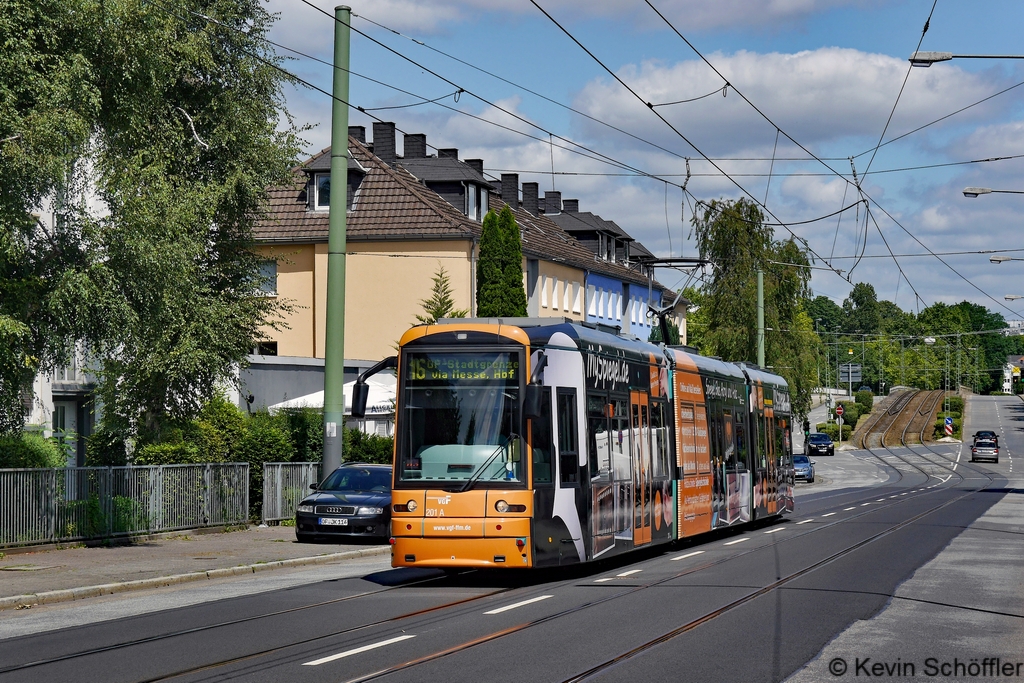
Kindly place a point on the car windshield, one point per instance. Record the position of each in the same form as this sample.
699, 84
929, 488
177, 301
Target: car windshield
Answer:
800, 460
820, 438
357, 479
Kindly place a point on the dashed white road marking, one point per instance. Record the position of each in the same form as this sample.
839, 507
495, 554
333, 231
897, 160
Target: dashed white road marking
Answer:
829, 514
519, 604
364, 648
772, 531
810, 520
738, 540
603, 580
631, 571
848, 509
863, 504
683, 557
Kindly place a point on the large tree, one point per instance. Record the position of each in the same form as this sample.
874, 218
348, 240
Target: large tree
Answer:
734, 237
168, 123
500, 292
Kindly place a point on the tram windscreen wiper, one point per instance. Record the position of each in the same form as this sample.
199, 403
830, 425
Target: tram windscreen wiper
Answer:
480, 470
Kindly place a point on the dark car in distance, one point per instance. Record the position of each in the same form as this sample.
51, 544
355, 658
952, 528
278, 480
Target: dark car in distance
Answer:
354, 500
987, 434
820, 444
803, 468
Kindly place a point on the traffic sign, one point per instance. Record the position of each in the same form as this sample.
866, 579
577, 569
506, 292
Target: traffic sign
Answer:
949, 429
840, 410
949, 421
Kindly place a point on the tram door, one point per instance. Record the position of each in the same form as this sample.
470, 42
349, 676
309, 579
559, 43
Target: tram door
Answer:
643, 467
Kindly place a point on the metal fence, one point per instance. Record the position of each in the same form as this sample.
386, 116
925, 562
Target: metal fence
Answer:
78, 503
284, 485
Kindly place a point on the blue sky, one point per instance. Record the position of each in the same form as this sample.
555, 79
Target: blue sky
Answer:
827, 72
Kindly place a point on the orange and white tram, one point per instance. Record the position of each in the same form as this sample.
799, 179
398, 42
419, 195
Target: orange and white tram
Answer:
538, 443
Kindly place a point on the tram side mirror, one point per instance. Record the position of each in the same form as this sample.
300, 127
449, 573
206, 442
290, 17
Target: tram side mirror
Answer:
360, 393
531, 406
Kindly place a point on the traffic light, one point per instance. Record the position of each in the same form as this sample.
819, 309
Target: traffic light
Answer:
807, 428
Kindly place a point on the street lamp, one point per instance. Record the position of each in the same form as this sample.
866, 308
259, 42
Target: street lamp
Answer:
926, 59
1013, 297
1003, 259
973, 192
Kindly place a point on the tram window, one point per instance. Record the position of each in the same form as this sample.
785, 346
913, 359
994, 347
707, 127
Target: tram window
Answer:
742, 453
659, 439
567, 450
598, 435
540, 438
622, 441
729, 441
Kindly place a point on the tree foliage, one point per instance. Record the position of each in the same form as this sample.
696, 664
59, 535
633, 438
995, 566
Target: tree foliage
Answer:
500, 292
149, 134
440, 304
734, 237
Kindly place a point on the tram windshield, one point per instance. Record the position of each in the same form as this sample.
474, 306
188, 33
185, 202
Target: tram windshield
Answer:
460, 419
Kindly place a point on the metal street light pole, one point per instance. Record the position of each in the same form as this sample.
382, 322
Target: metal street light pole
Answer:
334, 342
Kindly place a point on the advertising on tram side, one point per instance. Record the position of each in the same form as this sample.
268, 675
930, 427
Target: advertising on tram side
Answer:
693, 451
629, 429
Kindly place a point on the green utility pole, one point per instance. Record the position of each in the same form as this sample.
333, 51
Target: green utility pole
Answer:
760, 317
334, 344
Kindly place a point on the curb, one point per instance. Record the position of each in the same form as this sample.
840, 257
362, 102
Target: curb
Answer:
69, 594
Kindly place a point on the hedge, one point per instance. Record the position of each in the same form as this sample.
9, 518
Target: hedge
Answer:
29, 450
865, 399
833, 431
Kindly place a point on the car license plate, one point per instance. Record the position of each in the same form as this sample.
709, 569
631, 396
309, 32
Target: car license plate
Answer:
333, 521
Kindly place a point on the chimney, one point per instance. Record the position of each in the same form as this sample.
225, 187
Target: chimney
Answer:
416, 146
531, 192
384, 142
476, 164
358, 132
448, 153
510, 189
552, 202
571, 205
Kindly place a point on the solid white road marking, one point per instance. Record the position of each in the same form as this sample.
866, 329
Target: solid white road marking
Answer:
364, 648
519, 604
810, 520
683, 557
828, 514
738, 540
631, 571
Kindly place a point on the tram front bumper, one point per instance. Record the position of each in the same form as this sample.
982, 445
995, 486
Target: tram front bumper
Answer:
451, 543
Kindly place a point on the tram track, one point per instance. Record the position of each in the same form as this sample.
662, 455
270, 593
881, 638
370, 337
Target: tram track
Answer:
234, 622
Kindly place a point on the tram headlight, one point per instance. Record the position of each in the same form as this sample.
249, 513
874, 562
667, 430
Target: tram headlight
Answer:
501, 506
411, 506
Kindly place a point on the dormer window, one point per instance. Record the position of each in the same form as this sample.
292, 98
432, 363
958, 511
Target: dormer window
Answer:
476, 202
322, 188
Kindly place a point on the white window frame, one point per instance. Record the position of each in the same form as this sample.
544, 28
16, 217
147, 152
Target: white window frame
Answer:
317, 206
268, 278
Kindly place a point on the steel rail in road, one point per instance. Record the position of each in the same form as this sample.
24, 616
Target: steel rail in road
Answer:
242, 620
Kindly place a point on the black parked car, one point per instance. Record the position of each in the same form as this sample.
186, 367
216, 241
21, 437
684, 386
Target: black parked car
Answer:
819, 443
355, 500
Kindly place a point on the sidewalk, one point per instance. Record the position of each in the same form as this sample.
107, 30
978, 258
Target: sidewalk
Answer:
49, 576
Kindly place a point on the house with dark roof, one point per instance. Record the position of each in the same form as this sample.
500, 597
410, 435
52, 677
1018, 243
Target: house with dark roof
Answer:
407, 217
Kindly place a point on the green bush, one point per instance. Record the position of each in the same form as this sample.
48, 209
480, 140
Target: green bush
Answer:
361, 447
866, 400
306, 430
30, 450
833, 431
105, 448
956, 404
265, 440
169, 454
851, 412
